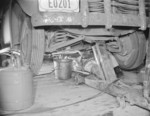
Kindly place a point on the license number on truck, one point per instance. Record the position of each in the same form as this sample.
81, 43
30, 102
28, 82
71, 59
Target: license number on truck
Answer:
59, 5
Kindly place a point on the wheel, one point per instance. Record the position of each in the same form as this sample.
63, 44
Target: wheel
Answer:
32, 46
38, 48
11, 26
21, 33
17, 21
23, 37
134, 51
141, 51
26, 41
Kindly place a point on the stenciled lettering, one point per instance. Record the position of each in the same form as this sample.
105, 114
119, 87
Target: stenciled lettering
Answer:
65, 3
69, 4
55, 2
59, 4
50, 4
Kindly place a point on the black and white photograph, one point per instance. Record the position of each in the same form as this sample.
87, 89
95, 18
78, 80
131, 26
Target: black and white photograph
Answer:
74, 57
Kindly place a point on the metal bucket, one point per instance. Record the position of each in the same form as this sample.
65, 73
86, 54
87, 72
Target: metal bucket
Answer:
63, 69
16, 88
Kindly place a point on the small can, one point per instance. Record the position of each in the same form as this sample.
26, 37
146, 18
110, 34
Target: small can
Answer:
63, 68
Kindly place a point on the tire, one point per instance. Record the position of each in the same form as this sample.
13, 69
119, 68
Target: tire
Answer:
21, 33
142, 50
26, 41
17, 20
31, 40
32, 46
38, 49
135, 46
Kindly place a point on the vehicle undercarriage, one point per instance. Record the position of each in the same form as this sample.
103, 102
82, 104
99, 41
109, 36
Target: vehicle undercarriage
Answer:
112, 33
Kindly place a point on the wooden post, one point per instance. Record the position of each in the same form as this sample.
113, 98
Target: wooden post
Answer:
142, 14
107, 9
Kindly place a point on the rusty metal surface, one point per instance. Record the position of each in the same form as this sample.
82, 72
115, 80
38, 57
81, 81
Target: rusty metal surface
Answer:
98, 19
106, 13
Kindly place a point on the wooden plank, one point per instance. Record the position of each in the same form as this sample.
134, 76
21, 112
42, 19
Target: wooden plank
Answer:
142, 14
108, 12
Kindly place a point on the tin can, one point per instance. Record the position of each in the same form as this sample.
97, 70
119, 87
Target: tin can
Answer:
63, 68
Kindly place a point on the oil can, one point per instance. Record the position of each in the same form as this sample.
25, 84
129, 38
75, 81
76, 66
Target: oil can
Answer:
16, 88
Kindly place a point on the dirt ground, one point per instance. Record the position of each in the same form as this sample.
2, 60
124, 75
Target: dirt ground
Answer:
54, 97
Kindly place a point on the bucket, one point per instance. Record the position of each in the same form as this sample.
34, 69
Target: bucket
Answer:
63, 69
16, 88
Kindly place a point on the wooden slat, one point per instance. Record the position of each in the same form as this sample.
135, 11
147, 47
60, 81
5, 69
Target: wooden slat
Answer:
142, 14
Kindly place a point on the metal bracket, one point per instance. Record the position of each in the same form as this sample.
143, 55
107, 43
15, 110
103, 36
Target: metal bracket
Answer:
64, 44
